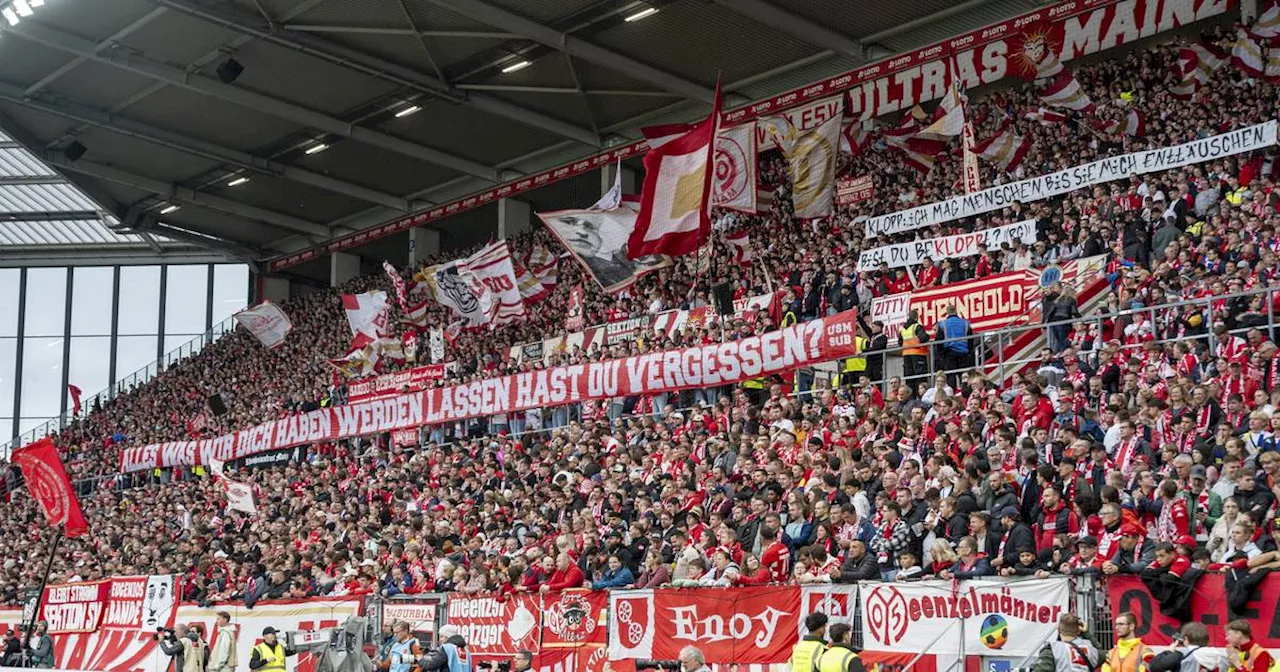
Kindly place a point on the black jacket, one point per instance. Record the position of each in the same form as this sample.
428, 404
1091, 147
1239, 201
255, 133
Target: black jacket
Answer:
1016, 538
863, 569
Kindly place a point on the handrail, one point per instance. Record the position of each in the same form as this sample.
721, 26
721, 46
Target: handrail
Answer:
142, 375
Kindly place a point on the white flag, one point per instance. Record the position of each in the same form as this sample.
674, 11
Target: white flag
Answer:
266, 322
812, 159
239, 497
435, 345
735, 168
482, 288
950, 120
217, 467
366, 313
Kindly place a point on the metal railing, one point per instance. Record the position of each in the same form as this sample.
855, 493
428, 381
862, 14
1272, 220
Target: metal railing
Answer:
125, 384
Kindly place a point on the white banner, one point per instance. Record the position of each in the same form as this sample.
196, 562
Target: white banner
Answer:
435, 338
985, 617
267, 322
239, 497
1069, 179
420, 617
735, 166
947, 247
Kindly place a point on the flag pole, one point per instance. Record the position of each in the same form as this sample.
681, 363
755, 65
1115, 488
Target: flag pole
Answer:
48, 569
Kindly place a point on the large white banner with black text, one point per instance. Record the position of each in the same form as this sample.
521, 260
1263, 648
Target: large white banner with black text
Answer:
947, 247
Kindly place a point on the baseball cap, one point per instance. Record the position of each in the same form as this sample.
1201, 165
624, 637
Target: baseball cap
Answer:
1009, 512
1198, 471
1185, 540
1088, 541
269, 631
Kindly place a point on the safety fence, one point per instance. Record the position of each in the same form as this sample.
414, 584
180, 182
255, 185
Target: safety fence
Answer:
929, 626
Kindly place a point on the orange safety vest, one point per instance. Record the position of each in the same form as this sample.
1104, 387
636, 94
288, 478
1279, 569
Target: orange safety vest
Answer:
1133, 662
910, 338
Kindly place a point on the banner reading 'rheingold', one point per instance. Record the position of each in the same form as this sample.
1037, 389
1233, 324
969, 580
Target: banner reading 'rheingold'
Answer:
799, 345
1069, 179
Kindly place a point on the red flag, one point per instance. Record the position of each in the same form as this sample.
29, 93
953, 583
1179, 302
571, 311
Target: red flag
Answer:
47, 482
675, 201
75, 399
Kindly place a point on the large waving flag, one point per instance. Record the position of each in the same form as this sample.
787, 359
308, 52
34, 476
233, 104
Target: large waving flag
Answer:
482, 288
675, 202
1196, 64
1045, 116
267, 322
47, 483
949, 117
1065, 91
1134, 124
1268, 24
1247, 54
1005, 149
811, 158
366, 313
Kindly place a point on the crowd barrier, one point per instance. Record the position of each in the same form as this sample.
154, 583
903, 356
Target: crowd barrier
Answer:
929, 626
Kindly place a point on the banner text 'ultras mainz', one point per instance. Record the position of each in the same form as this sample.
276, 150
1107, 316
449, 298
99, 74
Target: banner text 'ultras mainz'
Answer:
705, 366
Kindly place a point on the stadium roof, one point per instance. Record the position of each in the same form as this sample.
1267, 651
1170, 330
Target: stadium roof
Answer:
274, 125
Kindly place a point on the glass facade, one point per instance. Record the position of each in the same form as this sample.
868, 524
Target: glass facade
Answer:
99, 327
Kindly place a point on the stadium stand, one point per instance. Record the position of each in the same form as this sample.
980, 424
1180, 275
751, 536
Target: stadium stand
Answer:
1153, 419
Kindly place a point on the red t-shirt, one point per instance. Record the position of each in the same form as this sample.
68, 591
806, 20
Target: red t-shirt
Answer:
777, 559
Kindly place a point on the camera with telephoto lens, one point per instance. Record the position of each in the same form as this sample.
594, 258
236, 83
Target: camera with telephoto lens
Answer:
657, 665
495, 666
162, 633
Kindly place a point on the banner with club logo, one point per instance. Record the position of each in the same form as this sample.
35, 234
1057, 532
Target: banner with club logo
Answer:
985, 617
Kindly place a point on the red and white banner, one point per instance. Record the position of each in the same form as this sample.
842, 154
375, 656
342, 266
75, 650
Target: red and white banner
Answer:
731, 625
267, 322
990, 303
820, 340
367, 316
495, 626
1208, 606
977, 617
75, 607
947, 247
141, 602
972, 173
136, 650
390, 384
576, 313
420, 617
850, 190
481, 289
1070, 29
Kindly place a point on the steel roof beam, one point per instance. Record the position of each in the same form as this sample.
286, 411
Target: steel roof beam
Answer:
174, 193
766, 13
368, 30
190, 145
250, 99
379, 68
52, 216
102, 45
30, 180
574, 46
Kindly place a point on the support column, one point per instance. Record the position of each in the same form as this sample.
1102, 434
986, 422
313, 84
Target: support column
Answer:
423, 243
630, 179
513, 218
275, 290
342, 267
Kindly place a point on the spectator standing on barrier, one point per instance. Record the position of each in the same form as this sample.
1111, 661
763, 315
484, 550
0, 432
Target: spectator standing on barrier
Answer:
915, 354
840, 657
1129, 654
1070, 652
1244, 654
954, 335
692, 660
222, 658
808, 651
269, 654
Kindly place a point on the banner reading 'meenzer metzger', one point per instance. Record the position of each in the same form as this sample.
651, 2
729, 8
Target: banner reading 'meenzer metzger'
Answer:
1069, 179
705, 366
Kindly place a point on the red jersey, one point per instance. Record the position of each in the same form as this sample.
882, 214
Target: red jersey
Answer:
777, 559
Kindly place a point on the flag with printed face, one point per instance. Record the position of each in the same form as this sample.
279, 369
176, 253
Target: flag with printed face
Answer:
266, 322
811, 158
435, 345
1065, 91
675, 203
597, 239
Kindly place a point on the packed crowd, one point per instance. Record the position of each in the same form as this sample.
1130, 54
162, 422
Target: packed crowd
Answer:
1143, 447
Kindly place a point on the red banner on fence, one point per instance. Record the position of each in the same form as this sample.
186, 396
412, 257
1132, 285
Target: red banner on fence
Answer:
494, 626
1208, 606
733, 625
390, 384
74, 607
711, 365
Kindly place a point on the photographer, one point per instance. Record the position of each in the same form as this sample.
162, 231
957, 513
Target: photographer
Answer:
269, 655
522, 662
452, 655
404, 651
185, 646
12, 654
